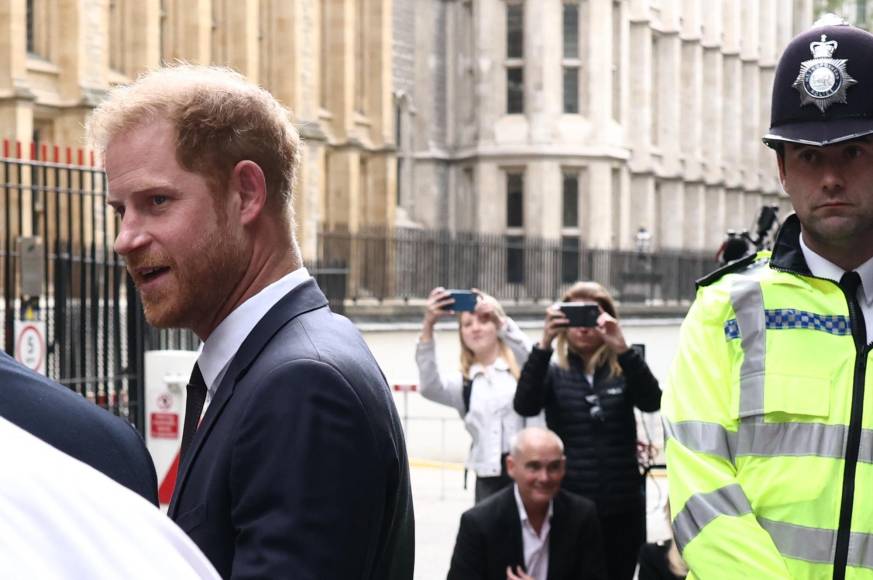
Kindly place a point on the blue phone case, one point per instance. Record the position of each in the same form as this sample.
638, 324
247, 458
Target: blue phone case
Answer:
465, 301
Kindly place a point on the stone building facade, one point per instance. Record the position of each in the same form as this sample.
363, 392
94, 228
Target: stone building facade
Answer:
329, 61
589, 119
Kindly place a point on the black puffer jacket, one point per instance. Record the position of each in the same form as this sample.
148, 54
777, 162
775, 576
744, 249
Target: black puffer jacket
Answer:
601, 451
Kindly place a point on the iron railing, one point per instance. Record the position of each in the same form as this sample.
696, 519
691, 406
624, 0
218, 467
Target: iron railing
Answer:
383, 264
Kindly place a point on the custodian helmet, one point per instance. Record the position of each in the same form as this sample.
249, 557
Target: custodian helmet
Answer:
823, 87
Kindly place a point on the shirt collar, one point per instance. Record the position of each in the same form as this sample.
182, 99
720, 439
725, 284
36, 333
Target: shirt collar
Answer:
522, 511
479, 369
823, 268
221, 346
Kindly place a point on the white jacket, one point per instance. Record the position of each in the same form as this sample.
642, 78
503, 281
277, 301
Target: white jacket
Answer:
491, 420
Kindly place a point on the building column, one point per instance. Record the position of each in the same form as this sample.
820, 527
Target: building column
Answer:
672, 210
601, 204
16, 100
188, 31
716, 224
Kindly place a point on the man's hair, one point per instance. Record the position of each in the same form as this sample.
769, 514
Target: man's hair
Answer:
220, 119
516, 442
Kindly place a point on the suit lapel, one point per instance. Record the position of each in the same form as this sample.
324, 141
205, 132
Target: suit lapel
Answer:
512, 550
304, 298
560, 541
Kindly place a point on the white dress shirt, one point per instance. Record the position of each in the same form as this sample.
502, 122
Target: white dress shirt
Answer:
822, 268
535, 546
221, 346
60, 518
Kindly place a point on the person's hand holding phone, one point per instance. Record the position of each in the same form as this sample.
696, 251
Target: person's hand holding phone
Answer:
487, 305
555, 322
610, 330
438, 305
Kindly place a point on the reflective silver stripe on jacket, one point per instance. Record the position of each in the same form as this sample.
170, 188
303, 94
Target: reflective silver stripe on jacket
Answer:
861, 549
791, 439
703, 437
747, 300
817, 544
767, 439
801, 542
702, 508
793, 541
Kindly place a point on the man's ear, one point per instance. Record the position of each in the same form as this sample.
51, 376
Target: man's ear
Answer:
780, 162
510, 466
248, 182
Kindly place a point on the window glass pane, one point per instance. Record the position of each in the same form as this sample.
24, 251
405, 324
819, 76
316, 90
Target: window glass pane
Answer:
569, 259
571, 90
571, 31
514, 200
515, 259
515, 90
514, 31
571, 201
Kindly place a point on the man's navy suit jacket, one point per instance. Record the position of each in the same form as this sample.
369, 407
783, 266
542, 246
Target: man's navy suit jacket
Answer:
79, 428
489, 540
298, 468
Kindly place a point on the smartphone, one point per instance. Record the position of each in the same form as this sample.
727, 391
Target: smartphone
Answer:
465, 301
581, 314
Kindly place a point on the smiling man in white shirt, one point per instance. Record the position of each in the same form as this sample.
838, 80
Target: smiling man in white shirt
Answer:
532, 530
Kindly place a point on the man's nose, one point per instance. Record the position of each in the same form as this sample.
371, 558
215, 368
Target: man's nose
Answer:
131, 236
832, 177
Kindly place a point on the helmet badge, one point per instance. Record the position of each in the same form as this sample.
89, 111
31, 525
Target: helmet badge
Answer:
823, 80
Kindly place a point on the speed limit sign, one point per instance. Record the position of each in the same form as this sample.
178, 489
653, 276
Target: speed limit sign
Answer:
30, 347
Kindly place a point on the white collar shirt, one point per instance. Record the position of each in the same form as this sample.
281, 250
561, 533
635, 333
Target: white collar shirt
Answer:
535, 546
823, 268
221, 346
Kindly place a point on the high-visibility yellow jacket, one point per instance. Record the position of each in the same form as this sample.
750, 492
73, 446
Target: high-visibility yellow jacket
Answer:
769, 434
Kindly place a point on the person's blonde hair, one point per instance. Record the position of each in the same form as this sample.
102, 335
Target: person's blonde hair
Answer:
468, 359
219, 118
593, 292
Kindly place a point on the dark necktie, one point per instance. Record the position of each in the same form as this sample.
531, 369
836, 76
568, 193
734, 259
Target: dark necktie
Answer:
193, 408
850, 283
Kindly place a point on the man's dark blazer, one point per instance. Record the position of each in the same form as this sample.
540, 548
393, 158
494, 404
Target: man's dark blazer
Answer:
299, 469
79, 428
489, 540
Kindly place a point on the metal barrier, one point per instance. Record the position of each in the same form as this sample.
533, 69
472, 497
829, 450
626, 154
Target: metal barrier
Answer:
407, 263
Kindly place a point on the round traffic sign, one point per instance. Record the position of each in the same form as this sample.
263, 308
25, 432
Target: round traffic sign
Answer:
30, 347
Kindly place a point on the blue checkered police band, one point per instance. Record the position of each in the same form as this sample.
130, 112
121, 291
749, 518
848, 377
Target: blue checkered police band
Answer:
789, 318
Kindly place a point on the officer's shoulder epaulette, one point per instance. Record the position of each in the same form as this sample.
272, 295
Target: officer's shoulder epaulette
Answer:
730, 267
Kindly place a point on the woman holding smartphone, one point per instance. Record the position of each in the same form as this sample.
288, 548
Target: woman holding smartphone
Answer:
482, 389
589, 393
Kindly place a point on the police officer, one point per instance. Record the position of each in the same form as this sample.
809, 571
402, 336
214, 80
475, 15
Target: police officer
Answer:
770, 442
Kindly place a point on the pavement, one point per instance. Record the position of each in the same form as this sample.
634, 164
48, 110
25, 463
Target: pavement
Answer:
440, 499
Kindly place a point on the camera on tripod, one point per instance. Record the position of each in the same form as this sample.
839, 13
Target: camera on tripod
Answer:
739, 245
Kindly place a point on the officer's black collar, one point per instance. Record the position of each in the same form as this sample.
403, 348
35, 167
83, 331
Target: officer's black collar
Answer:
787, 254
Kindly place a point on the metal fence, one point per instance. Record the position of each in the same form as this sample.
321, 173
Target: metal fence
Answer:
405, 263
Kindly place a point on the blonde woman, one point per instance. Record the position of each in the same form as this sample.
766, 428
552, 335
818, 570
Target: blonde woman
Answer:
482, 388
589, 393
